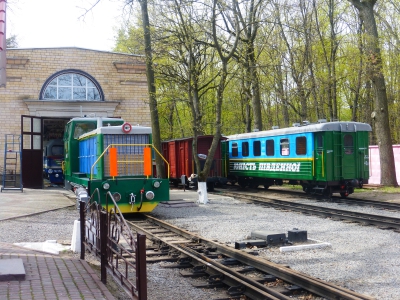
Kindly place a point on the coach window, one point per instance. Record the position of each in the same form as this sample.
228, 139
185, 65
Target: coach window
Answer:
301, 145
270, 148
256, 148
245, 149
235, 151
285, 147
348, 144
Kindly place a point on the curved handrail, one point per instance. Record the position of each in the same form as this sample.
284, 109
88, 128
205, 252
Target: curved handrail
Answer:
112, 145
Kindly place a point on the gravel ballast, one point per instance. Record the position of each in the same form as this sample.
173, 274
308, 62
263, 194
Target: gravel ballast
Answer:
361, 258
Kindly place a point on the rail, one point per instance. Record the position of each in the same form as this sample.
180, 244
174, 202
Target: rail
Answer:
107, 236
137, 145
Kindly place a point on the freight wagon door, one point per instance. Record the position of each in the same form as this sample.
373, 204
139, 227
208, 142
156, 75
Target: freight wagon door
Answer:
172, 160
349, 164
32, 152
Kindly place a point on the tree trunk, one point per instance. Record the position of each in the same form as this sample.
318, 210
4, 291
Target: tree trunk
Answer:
380, 114
152, 90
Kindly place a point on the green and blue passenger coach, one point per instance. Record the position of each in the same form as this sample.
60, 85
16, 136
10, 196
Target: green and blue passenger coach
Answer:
324, 158
104, 156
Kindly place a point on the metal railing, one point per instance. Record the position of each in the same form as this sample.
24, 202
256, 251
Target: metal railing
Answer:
125, 161
108, 237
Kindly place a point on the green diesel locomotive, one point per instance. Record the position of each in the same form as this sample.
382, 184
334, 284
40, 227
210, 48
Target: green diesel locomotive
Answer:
104, 155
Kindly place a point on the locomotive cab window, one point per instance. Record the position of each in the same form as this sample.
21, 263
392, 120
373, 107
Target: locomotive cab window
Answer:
235, 151
245, 149
270, 148
256, 148
301, 145
348, 144
82, 128
285, 147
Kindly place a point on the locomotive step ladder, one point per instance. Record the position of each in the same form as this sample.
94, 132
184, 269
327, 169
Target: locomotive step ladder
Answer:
12, 173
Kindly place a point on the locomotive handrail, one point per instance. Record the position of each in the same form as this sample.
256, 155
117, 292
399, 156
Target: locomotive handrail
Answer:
112, 145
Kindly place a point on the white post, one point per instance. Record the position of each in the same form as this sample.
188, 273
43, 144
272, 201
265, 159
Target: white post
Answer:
202, 191
76, 237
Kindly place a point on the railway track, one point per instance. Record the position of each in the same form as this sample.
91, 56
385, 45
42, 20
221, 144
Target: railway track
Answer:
383, 222
302, 195
238, 272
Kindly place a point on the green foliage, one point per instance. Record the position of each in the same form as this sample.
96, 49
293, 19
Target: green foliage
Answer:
310, 60
129, 40
12, 42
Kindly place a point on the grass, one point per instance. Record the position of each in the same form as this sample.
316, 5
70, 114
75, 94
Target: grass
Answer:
382, 189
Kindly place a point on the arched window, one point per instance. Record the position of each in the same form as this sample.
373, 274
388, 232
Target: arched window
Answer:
71, 85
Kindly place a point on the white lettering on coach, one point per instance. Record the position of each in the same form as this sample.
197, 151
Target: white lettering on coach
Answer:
277, 167
245, 166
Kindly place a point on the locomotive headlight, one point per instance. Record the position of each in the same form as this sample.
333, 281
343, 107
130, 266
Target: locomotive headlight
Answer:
116, 196
106, 185
50, 171
149, 195
57, 175
156, 184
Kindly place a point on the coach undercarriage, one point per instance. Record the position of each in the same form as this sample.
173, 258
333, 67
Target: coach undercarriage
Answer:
325, 188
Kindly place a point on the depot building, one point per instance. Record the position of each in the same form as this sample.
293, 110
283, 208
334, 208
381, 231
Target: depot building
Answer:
46, 87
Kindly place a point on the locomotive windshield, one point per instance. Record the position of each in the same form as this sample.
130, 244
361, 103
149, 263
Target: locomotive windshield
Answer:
81, 128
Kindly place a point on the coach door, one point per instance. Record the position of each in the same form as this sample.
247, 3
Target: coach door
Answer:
348, 156
362, 156
32, 153
319, 171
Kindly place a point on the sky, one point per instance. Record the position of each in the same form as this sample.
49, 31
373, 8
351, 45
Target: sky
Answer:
60, 23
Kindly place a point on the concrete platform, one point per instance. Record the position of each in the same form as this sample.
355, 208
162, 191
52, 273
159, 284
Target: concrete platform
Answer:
32, 201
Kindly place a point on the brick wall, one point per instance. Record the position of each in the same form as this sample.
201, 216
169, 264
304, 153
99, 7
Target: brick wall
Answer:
122, 78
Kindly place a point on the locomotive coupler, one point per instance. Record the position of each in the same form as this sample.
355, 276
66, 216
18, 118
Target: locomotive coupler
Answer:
132, 199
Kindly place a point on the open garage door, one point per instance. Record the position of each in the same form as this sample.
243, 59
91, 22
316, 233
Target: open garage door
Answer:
32, 152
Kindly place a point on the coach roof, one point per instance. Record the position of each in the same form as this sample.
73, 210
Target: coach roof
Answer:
319, 127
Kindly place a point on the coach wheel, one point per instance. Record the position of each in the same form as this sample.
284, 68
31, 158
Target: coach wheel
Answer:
253, 185
266, 186
328, 192
344, 194
242, 182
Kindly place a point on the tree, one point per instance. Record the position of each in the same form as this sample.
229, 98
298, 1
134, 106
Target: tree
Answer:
225, 49
380, 114
155, 124
12, 42
249, 29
